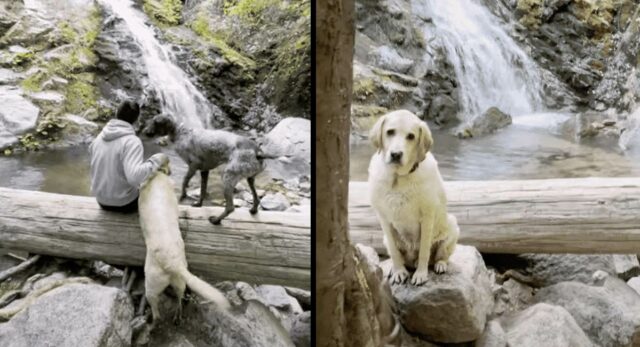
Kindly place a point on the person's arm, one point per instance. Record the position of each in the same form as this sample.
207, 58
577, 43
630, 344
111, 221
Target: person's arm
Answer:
135, 169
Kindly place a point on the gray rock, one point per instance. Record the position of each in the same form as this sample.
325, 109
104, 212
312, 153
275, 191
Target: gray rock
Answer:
274, 202
493, 336
17, 116
548, 269
387, 58
443, 109
275, 296
291, 137
9, 76
72, 315
539, 325
457, 302
47, 98
512, 296
601, 312
486, 123
626, 265
635, 284
303, 296
369, 253
301, 330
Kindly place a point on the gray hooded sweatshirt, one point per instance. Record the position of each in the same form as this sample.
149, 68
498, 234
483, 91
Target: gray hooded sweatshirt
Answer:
117, 166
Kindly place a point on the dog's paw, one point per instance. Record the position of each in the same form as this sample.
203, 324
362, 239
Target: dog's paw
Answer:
420, 277
215, 220
253, 210
398, 276
440, 267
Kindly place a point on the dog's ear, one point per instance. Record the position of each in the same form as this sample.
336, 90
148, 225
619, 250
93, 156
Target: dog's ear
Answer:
425, 141
375, 135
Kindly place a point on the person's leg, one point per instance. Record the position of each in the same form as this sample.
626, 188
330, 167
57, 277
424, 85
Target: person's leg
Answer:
131, 207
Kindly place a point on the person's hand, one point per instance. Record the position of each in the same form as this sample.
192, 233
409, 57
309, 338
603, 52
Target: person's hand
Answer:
160, 159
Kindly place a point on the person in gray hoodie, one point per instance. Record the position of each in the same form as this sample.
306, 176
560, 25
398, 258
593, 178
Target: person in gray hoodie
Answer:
117, 165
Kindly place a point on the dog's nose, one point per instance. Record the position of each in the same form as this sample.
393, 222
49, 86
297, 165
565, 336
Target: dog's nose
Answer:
396, 156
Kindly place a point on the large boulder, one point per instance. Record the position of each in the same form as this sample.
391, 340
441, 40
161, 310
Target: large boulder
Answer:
17, 115
486, 123
450, 307
72, 315
608, 314
539, 325
291, 137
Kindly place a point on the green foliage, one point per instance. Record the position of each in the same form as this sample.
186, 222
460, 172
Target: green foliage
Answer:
29, 142
34, 82
164, 11
363, 88
7, 152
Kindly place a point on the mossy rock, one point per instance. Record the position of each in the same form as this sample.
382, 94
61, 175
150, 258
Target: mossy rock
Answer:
168, 12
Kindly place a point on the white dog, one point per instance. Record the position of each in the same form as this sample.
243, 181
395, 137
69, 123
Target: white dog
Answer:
166, 263
408, 196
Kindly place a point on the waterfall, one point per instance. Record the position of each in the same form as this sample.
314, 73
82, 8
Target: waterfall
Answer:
177, 95
490, 67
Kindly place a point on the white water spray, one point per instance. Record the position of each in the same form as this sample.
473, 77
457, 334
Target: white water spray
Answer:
490, 67
177, 95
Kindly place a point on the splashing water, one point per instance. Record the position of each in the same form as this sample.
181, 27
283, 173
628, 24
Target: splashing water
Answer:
490, 67
177, 95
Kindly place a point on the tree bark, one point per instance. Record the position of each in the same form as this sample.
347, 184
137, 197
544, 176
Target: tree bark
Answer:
347, 309
268, 248
577, 215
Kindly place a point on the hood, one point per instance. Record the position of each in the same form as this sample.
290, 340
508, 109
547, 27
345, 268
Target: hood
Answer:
115, 129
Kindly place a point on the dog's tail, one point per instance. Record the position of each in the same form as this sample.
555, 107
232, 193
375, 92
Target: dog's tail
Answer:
205, 290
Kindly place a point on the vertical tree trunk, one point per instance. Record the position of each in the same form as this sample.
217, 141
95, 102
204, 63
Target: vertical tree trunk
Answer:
346, 308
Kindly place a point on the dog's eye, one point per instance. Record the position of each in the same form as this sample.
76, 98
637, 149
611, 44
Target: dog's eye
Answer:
391, 132
411, 137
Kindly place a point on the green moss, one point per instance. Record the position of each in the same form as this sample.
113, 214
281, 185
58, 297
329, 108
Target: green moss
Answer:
20, 59
80, 96
34, 82
67, 32
201, 27
29, 142
363, 88
249, 10
164, 11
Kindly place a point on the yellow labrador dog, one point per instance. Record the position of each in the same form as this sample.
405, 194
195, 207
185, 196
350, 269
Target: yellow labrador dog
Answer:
408, 196
166, 263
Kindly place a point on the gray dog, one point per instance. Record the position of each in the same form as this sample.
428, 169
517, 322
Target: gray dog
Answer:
205, 149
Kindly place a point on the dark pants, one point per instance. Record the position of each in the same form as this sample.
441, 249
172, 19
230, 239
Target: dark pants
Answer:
131, 207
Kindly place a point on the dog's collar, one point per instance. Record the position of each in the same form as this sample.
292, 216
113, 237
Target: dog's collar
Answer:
414, 168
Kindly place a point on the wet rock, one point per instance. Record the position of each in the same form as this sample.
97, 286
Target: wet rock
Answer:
72, 315
291, 137
78, 131
303, 296
457, 302
608, 314
539, 325
626, 265
275, 296
486, 123
17, 116
47, 98
443, 109
274, 202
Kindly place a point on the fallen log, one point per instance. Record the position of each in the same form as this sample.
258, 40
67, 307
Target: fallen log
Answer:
578, 215
268, 248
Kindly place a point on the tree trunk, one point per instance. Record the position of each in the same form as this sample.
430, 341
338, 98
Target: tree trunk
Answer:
346, 313
575, 215
268, 248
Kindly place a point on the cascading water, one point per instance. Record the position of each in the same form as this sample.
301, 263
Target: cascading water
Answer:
490, 67
177, 95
